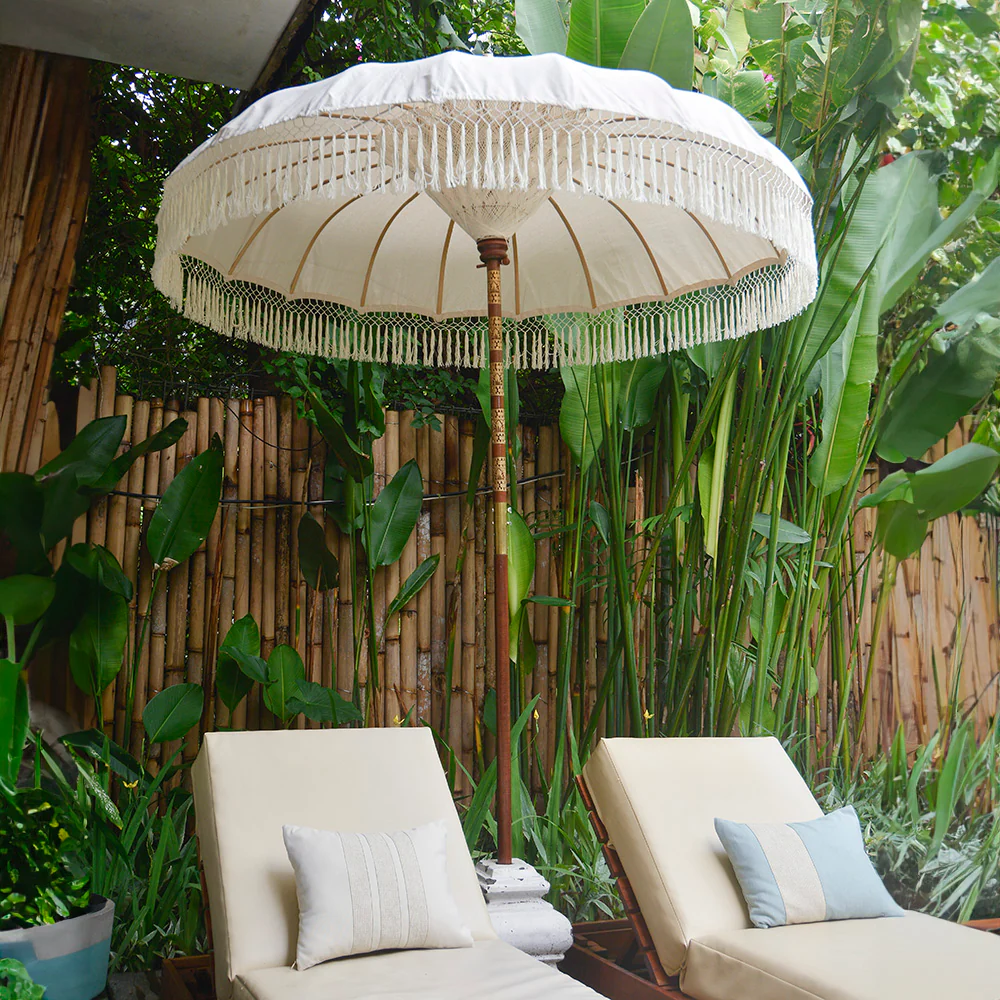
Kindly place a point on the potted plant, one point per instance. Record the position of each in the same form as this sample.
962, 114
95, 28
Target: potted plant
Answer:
49, 921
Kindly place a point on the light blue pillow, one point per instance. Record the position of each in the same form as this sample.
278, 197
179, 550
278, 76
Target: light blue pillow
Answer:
800, 873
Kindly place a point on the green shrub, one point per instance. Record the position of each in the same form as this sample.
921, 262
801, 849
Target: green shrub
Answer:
42, 880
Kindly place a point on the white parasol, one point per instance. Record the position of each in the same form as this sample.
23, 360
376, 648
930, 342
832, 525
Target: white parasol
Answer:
346, 218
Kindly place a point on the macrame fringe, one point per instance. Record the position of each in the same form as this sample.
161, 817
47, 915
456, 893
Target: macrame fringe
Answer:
253, 174
323, 329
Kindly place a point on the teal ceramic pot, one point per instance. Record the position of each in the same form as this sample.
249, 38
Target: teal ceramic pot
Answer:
70, 958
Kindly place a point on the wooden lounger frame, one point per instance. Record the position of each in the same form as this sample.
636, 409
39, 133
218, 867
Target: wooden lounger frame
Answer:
605, 954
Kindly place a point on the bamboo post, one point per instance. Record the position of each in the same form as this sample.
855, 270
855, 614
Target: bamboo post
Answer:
471, 617
216, 427
158, 615
451, 712
314, 660
422, 609
198, 592
97, 516
178, 582
130, 557
248, 713
438, 584
283, 525
407, 564
255, 590
227, 587
144, 570
300, 483
269, 569
86, 411
391, 679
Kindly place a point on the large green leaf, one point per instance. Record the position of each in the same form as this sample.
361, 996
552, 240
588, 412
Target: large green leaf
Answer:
662, 42
21, 503
239, 663
97, 643
98, 564
97, 745
638, 383
320, 567
413, 584
928, 404
82, 462
173, 713
900, 529
231, 683
321, 704
981, 295
89, 453
921, 229
352, 458
394, 515
163, 438
847, 372
285, 670
599, 30
580, 414
520, 574
541, 25
24, 599
184, 516
953, 481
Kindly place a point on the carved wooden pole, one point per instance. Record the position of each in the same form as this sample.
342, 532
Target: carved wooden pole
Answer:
493, 253
44, 180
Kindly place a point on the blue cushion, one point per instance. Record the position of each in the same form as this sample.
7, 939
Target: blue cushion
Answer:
799, 873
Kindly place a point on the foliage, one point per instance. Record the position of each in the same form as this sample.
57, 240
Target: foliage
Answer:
931, 825
134, 844
42, 880
16, 984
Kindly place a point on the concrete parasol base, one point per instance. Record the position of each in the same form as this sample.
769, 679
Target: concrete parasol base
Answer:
515, 899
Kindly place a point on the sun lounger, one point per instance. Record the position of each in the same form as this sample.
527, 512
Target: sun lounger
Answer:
247, 785
655, 801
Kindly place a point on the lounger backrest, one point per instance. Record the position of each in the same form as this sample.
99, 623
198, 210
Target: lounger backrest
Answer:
659, 798
248, 785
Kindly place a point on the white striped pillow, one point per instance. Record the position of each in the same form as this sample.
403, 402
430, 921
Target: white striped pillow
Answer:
364, 892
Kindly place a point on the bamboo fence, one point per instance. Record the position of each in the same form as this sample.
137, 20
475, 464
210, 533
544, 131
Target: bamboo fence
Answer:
434, 659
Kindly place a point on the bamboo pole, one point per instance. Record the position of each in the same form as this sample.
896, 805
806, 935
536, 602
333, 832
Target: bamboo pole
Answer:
269, 568
150, 487
422, 605
283, 527
314, 661
438, 584
473, 612
86, 411
391, 676
97, 516
451, 710
216, 425
300, 484
227, 587
255, 590
407, 564
198, 590
158, 615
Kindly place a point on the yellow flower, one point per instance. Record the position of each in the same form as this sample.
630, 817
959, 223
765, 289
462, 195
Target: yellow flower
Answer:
647, 715
536, 715
131, 784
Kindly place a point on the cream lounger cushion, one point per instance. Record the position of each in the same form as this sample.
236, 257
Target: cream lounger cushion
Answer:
491, 970
248, 785
659, 798
915, 957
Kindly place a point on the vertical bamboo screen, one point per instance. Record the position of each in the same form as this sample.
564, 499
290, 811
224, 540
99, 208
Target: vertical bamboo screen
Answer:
943, 611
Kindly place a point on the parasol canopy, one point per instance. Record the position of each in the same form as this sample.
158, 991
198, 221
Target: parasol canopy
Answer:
340, 218
346, 218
